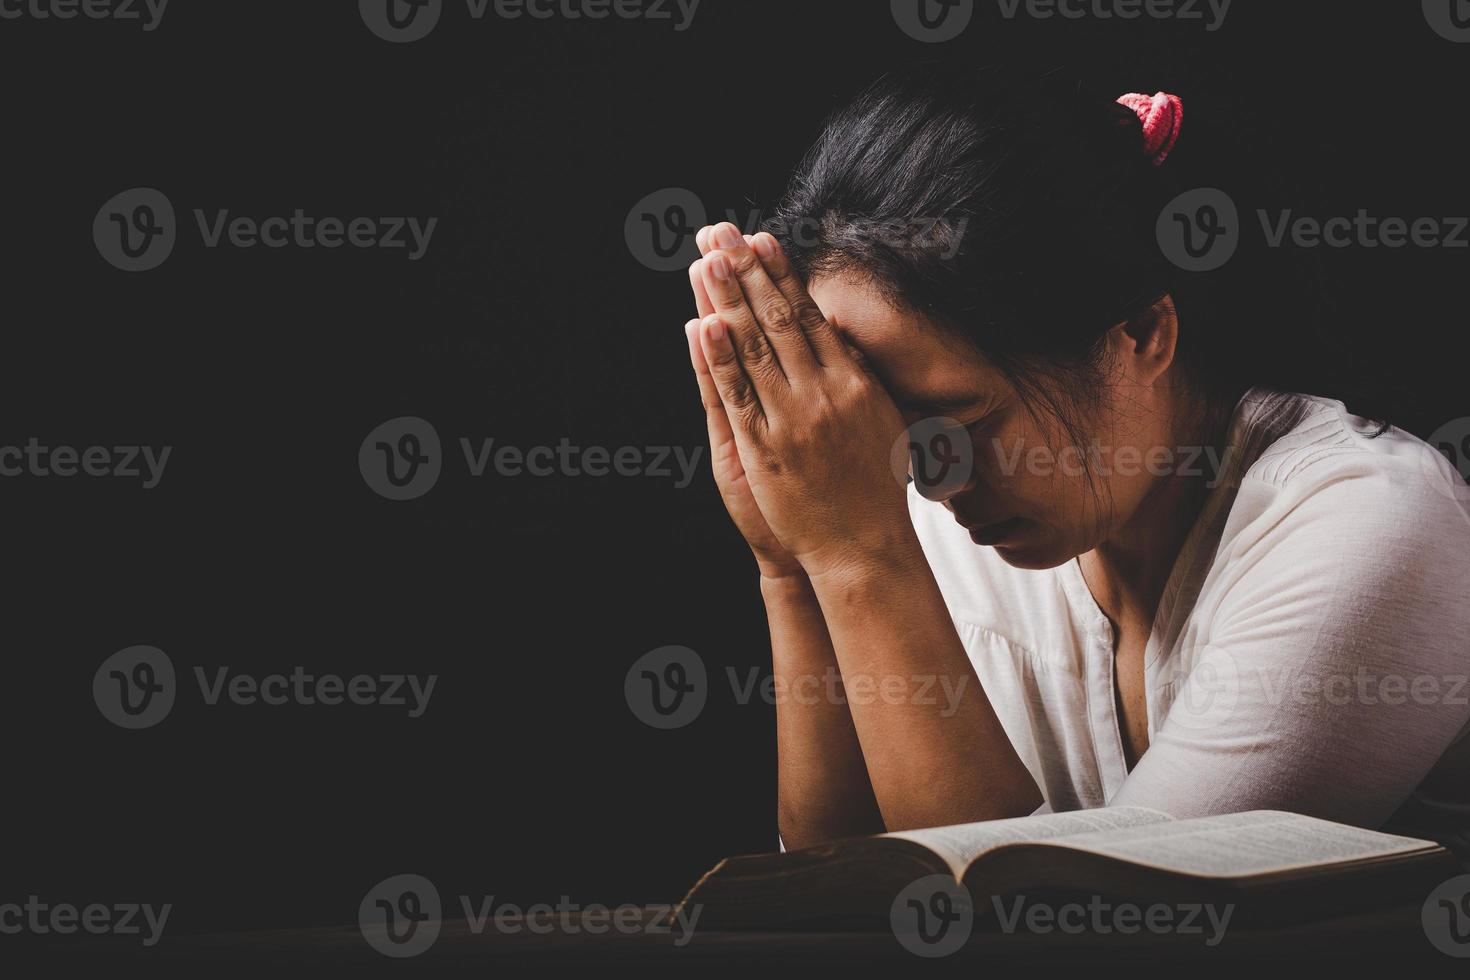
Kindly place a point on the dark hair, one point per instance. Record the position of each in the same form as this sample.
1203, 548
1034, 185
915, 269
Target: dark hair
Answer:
1033, 210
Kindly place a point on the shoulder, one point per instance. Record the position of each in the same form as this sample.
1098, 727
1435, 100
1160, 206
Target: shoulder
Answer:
1311, 466
1339, 524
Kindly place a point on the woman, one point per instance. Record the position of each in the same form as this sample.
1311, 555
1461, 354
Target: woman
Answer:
1154, 581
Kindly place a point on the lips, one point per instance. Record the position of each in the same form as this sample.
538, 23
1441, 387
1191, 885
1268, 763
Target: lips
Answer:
990, 534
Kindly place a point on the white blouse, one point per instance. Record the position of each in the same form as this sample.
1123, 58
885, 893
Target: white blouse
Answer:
1310, 652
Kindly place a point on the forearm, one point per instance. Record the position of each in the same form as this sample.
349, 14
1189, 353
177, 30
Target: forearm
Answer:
824, 791
935, 752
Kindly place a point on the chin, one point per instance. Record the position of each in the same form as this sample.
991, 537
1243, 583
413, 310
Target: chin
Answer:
1035, 551
1032, 559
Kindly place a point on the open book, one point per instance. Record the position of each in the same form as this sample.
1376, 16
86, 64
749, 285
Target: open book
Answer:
1281, 866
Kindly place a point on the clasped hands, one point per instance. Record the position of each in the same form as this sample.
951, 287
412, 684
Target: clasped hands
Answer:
802, 434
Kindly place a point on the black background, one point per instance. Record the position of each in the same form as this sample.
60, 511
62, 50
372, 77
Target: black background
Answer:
528, 320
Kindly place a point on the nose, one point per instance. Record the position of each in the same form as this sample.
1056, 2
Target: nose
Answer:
942, 465
946, 493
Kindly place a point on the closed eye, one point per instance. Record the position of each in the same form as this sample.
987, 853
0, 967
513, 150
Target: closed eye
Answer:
955, 410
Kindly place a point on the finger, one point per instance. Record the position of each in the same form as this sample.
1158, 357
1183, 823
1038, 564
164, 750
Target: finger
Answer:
773, 313
709, 395
749, 343
824, 340
737, 392
701, 295
701, 239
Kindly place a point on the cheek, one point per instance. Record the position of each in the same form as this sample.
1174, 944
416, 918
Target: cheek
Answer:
1009, 455
1046, 478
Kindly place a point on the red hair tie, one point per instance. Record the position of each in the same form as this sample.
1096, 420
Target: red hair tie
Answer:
1161, 115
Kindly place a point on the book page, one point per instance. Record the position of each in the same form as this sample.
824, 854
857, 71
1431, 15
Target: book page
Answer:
1236, 844
962, 843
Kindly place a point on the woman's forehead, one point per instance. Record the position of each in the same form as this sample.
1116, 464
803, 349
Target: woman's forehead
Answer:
915, 357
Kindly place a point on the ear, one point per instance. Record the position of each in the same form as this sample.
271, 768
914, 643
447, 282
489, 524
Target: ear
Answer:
1143, 347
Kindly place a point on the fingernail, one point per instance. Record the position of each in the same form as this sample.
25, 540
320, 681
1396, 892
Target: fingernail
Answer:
719, 266
763, 247
716, 328
727, 237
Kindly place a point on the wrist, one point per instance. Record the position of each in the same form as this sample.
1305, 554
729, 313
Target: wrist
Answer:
787, 570
855, 563
859, 557
785, 585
